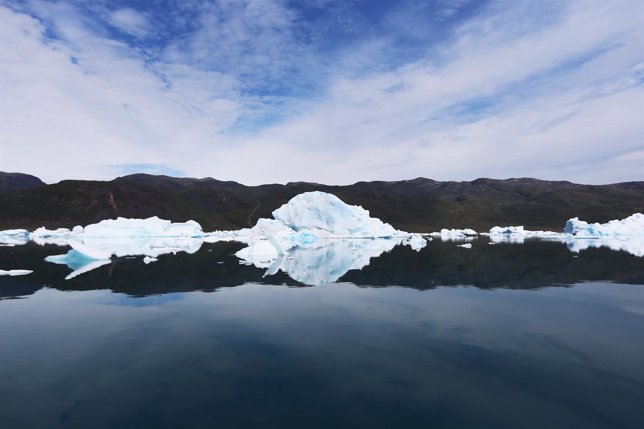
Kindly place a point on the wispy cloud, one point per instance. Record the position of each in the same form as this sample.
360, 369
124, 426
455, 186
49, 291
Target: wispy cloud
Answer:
263, 91
131, 22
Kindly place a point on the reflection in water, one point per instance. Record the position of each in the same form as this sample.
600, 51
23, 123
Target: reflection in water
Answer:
320, 262
90, 253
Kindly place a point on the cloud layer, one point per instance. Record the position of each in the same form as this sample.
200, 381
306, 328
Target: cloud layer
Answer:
265, 91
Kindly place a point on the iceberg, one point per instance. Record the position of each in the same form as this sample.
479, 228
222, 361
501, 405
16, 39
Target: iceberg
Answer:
150, 227
316, 238
621, 235
465, 246
15, 272
14, 237
518, 235
320, 211
94, 245
632, 226
445, 234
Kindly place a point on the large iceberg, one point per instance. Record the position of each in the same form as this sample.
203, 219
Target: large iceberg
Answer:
316, 238
150, 227
94, 245
322, 212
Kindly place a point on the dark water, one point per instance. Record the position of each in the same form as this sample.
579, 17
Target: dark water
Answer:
504, 336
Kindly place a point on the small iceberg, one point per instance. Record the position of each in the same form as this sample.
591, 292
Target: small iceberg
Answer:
15, 272
518, 235
445, 234
14, 237
621, 235
632, 226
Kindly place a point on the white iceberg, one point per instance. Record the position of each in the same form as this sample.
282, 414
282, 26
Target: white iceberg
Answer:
14, 237
15, 272
316, 238
150, 227
320, 211
149, 259
94, 245
57, 237
517, 234
621, 235
466, 234
465, 246
632, 226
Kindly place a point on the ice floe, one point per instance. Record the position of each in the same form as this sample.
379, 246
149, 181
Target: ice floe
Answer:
14, 237
15, 272
445, 234
517, 234
465, 246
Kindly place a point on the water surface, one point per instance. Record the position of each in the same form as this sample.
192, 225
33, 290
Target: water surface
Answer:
503, 336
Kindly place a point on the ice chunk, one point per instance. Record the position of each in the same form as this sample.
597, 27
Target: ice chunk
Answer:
517, 234
445, 234
630, 226
150, 227
466, 245
15, 272
12, 237
148, 259
58, 237
325, 212
416, 242
264, 227
260, 253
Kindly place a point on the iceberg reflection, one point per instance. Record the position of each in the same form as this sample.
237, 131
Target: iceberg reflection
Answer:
322, 262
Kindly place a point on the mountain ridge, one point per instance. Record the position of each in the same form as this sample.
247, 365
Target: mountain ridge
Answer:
417, 205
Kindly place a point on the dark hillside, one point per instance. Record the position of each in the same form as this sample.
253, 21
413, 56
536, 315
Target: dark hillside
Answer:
421, 205
10, 182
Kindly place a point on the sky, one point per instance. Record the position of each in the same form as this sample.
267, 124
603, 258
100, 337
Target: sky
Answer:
271, 91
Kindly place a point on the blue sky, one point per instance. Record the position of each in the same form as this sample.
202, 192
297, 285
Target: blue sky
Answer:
263, 91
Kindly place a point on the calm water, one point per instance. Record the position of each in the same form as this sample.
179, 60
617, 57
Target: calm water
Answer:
503, 336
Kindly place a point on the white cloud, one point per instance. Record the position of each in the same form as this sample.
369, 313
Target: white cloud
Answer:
70, 107
562, 93
131, 22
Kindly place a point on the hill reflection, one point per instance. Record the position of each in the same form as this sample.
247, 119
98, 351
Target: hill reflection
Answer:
367, 263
